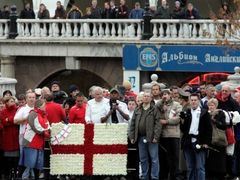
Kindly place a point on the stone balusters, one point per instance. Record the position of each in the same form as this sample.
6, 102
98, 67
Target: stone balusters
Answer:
121, 29
4, 28
189, 30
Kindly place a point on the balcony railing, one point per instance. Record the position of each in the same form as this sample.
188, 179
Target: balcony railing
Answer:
103, 29
164, 30
4, 28
193, 30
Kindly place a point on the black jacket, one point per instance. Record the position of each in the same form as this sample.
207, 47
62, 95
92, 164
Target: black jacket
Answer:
204, 129
27, 14
229, 105
5, 15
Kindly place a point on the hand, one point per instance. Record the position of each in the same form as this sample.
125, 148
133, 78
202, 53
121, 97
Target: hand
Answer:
115, 107
163, 121
154, 140
46, 134
103, 119
132, 141
6, 119
205, 146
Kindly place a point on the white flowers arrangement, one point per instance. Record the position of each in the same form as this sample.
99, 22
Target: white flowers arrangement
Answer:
67, 134
105, 135
110, 133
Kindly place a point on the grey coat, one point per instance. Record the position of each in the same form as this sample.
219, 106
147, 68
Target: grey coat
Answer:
153, 126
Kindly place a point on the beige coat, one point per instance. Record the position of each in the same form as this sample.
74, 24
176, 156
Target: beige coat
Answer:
170, 111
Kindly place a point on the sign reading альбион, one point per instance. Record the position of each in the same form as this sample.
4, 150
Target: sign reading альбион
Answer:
184, 58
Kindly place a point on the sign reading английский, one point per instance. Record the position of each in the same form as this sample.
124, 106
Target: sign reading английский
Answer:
180, 58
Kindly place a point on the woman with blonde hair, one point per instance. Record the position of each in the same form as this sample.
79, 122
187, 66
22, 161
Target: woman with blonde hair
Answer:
216, 162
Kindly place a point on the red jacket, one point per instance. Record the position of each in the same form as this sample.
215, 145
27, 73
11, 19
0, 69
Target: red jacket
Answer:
77, 114
55, 112
1, 133
10, 130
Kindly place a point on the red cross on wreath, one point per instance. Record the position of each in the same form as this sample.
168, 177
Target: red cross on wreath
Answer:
89, 149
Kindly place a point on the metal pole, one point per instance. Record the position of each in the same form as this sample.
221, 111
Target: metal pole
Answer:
13, 22
147, 28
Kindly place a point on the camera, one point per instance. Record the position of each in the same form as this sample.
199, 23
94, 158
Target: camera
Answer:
113, 103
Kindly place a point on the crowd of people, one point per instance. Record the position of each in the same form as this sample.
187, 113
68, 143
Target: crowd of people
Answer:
181, 10
173, 128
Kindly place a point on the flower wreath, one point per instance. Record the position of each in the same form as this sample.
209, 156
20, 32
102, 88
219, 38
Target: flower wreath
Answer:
57, 139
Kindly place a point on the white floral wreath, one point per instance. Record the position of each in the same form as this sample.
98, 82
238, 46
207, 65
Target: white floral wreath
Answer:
57, 139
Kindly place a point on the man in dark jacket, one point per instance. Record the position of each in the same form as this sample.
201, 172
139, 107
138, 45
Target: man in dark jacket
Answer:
114, 10
27, 13
225, 100
191, 12
58, 95
163, 11
106, 13
197, 134
96, 11
60, 12
178, 12
6, 12
122, 10
145, 129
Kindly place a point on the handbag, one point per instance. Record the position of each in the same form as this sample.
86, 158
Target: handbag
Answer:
230, 132
219, 137
230, 135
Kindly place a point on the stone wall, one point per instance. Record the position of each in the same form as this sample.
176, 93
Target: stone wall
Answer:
30, 71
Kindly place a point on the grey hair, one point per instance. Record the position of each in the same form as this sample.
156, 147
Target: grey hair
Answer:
97, 88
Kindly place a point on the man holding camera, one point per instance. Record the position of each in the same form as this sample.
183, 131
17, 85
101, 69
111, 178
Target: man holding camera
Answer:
197, 134
118, 111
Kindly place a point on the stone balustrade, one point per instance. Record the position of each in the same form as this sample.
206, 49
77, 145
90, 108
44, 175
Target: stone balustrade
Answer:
179, 30
4, 28
105, 29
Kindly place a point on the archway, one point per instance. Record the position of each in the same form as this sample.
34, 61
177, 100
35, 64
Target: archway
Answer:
82, 78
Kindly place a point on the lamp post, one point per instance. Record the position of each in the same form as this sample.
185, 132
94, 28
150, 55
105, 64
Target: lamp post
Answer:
13, 22
147, 27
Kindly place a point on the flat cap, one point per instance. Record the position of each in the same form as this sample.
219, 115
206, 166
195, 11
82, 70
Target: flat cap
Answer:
183, 93
114, 90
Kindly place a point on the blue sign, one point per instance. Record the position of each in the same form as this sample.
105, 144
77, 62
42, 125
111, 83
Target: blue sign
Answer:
180, 58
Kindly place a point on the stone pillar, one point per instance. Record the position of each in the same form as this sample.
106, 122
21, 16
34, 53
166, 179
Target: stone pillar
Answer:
7, 66
72, 63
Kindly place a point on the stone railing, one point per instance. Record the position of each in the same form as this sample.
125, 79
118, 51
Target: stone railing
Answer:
4, 28
193, 30
201, 31
105, 29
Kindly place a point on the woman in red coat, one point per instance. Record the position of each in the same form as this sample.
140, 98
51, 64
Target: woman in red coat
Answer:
1, 137
10, 143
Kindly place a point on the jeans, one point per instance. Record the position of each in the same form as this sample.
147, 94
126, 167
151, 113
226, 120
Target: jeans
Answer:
28, 172
146, 150
195, 160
